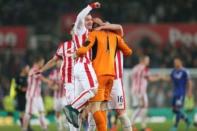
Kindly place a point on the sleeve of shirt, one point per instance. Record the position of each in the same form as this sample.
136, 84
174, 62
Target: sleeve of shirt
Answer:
171, 74
79, 26
124, 47
83, 50
188, 75
59, 52
146, 72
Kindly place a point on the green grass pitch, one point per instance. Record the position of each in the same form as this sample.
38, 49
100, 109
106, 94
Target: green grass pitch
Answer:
154, 126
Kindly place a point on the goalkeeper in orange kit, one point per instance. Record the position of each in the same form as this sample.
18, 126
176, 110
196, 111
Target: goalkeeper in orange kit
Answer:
104, 45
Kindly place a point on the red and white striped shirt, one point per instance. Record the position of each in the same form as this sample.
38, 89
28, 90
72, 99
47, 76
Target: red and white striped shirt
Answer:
81, 34
118, 64
56, 77
34, 84
139, 79
67, 66
79, 41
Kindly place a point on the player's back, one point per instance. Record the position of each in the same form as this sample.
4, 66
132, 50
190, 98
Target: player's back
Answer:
179, 78
119, 64
104, 52
34, 84
139, 81
67, 66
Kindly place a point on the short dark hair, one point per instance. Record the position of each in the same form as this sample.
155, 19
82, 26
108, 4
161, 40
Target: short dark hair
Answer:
97, 22
95, 25
179, 58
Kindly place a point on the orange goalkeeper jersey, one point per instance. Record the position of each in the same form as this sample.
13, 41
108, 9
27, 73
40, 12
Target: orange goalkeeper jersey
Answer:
104, 45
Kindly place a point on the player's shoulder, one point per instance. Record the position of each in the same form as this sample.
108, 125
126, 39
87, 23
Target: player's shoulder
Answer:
60, 45
173, 70
112, 33
96, 32
186, 71
137, 67
142, 66
65, 44
119, 52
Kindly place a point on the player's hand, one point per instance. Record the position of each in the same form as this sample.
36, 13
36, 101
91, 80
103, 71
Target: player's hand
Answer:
164, 77
95, 5
71, 54
35, 73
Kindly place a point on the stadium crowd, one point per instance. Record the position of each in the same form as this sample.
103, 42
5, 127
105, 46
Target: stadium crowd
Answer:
144, 11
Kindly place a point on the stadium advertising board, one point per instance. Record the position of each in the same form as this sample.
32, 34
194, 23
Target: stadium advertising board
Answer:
13, 37
175, 34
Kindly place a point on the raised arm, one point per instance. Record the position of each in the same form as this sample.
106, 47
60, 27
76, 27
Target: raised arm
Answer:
154, 77
117, 28
79, 26
51, 63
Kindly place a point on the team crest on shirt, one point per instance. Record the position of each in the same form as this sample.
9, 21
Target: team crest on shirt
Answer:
178, 75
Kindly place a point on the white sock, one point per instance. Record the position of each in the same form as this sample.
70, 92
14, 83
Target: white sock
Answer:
59, 123
65, 122
82, 99
26, 119
126, 124
144, 117
91, 123
72, 128
135, 114
43, 121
